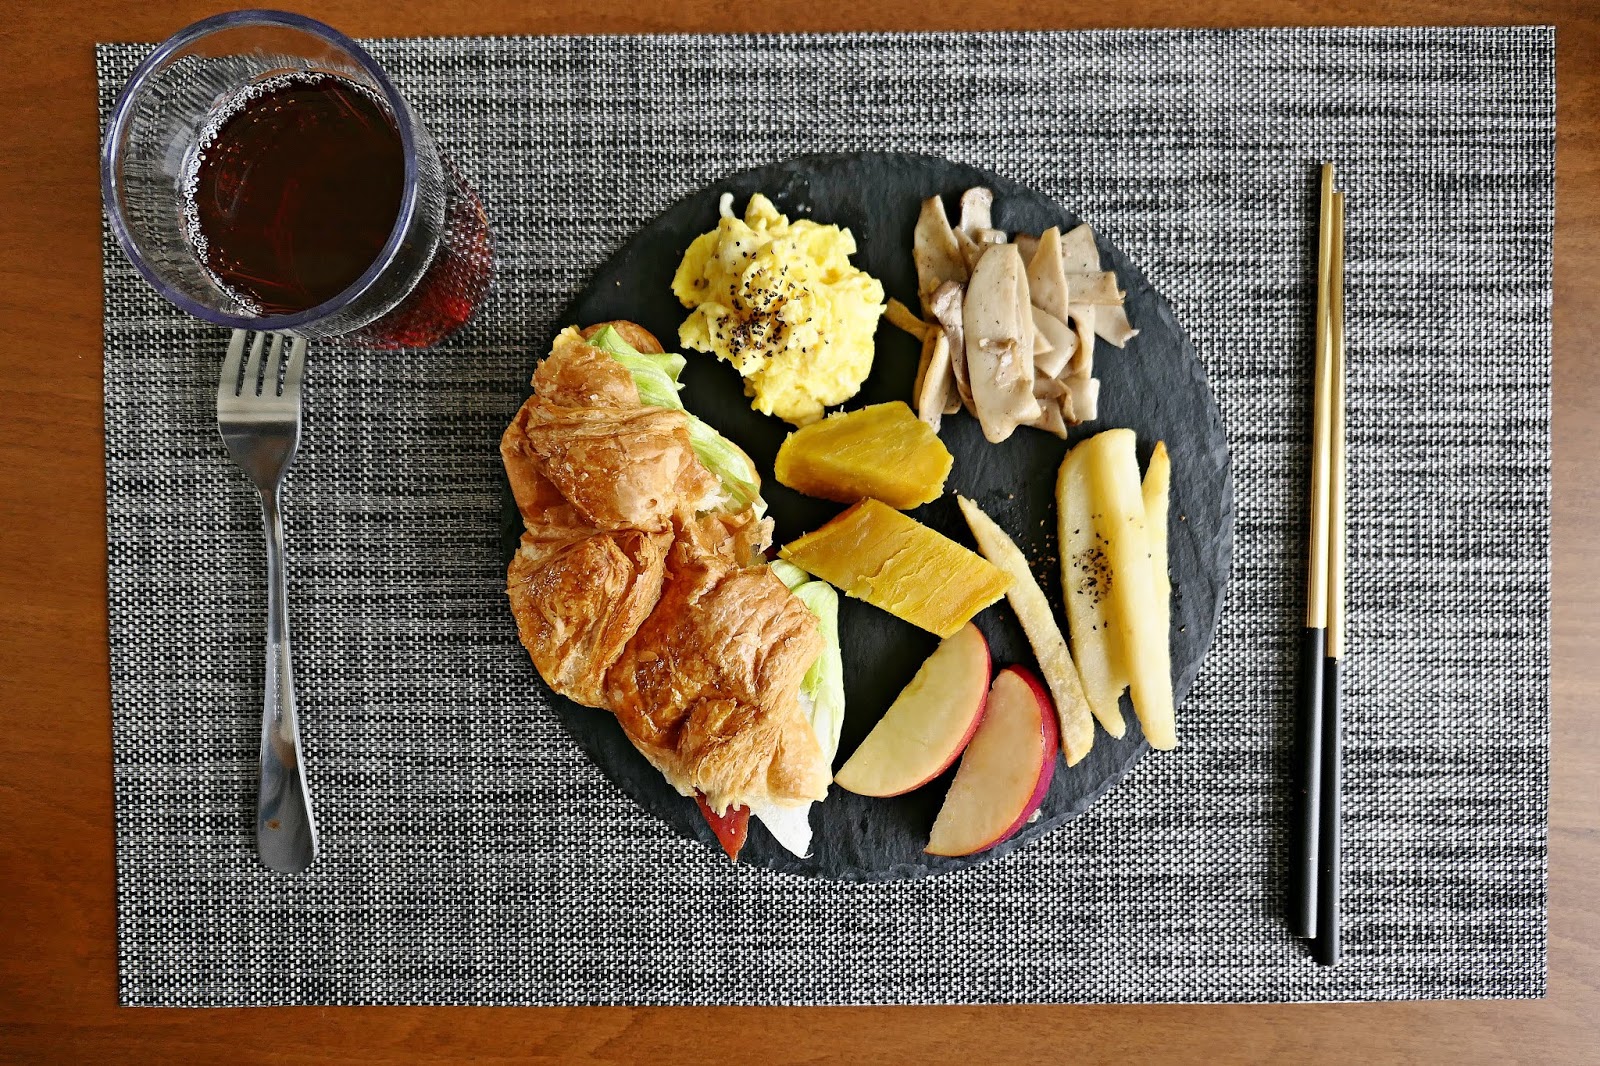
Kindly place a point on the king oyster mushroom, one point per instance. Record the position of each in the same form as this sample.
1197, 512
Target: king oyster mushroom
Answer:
1042, 345
1084, 395
952, 395
922, 364
946, 307
934, 250
1050, 419
975, 231
1097, 287
977, 210
1027, 244
974, 244
1080, 257
1020, 358
1111, 324
1046, 387
935, 381
1027, 337
1047, 277
999, 336
1062, 343
1084, 301
1081, 317
1079, 253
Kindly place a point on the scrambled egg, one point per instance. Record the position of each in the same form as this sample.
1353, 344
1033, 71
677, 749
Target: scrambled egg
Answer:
781, 302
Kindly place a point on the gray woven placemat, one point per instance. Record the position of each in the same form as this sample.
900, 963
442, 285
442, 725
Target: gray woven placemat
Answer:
472, 856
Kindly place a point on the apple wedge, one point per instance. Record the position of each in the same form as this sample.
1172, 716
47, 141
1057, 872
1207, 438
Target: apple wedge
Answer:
928, 725
1005, 772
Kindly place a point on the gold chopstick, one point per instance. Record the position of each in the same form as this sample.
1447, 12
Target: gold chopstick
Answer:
1322, 397
1306, 825
1328, 947
1336, 463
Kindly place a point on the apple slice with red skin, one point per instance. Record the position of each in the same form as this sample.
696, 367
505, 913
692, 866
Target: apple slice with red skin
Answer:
1005, 771
928, 725
730, 827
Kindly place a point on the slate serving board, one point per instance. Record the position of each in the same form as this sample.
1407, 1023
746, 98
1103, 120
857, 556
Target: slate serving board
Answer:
1156, 386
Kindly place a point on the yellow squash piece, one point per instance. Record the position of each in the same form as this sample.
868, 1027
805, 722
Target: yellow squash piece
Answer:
877, 554
884, 452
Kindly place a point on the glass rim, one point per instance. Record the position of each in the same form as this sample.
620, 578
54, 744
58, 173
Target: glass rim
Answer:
116, 130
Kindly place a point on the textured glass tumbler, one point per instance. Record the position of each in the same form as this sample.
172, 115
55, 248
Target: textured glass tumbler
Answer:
427, 279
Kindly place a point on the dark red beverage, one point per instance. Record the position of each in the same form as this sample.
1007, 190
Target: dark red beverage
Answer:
297, 192
294, 193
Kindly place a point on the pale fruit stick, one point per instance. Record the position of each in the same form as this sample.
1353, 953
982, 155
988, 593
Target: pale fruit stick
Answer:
1120, 520
902, 316
1039, 623
1157, 482
1086, 587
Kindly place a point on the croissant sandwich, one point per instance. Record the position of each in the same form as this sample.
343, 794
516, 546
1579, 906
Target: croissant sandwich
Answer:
641, 587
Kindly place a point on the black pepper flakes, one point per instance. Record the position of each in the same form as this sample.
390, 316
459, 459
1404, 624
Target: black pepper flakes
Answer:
1095, 568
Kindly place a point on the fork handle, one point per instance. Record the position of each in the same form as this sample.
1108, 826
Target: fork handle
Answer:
286, 831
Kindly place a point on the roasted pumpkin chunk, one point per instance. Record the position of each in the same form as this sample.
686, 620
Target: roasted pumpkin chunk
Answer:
883, 452
879, 555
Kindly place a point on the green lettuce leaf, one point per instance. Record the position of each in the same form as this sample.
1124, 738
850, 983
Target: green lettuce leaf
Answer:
791, 575
824, 681
821, 699
656, 375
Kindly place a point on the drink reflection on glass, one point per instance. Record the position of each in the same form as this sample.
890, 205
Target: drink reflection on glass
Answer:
263, 173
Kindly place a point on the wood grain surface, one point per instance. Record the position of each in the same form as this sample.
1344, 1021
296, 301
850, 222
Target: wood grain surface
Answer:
57, 906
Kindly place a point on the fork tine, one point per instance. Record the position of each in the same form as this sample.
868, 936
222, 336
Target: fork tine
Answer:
296, 368
228, 382
252, 368
269, 383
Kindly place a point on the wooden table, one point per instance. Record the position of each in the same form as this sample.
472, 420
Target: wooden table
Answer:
57, 913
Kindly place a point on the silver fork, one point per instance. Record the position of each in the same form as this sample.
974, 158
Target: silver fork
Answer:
258, 415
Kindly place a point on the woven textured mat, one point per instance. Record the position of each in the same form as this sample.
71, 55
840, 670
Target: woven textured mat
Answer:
471, 855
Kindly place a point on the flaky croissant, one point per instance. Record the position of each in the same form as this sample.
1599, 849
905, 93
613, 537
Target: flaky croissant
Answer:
633, 592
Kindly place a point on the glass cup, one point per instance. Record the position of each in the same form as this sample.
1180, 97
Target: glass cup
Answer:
431, 273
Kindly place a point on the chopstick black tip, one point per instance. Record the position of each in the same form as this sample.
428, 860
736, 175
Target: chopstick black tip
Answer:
1306, 817
1328, 947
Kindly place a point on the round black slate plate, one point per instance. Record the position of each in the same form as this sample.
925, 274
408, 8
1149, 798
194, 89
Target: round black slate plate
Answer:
1155, 386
